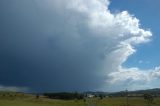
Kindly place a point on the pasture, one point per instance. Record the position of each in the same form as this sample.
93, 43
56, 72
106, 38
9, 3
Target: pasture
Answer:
20, 99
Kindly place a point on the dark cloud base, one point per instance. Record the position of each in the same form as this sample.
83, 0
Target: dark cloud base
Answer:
38, 53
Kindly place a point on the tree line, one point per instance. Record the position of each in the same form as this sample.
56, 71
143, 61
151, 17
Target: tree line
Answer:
64, 95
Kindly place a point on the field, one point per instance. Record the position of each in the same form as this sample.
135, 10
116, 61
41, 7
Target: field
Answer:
20, 99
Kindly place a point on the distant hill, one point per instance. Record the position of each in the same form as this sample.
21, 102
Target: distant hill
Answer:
137, 93
154, 92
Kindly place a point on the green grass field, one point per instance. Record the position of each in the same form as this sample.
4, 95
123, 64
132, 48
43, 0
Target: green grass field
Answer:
20, 99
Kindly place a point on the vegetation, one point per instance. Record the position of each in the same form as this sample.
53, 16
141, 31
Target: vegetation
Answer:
21, 99
149, 98
64, 95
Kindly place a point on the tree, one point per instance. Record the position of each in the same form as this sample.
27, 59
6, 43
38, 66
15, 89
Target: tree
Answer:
37, 96
149, 98
101, 96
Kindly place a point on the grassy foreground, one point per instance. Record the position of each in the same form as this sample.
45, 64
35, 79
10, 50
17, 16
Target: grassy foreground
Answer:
20, 99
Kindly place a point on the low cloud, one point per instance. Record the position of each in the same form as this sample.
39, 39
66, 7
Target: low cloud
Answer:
134, 78
13, 88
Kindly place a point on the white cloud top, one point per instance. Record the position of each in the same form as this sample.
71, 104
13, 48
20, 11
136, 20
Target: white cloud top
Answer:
117, 34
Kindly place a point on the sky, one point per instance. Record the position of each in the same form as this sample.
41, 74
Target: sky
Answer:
146, 12
79, 45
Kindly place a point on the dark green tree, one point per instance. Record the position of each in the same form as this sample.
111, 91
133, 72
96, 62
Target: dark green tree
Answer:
37, 96
101, 96
149, 98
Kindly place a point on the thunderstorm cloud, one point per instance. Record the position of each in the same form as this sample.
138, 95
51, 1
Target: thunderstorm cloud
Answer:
69, 45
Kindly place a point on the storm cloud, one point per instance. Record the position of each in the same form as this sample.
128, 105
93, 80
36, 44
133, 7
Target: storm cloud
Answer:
67, 45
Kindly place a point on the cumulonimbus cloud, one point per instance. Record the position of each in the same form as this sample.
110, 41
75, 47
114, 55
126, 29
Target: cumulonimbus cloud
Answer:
74, 45
120, 33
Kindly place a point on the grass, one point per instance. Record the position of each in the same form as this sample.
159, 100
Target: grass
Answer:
121, 101
20, 99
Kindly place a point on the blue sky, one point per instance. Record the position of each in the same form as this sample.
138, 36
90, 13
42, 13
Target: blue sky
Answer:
147, 12
79, 45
